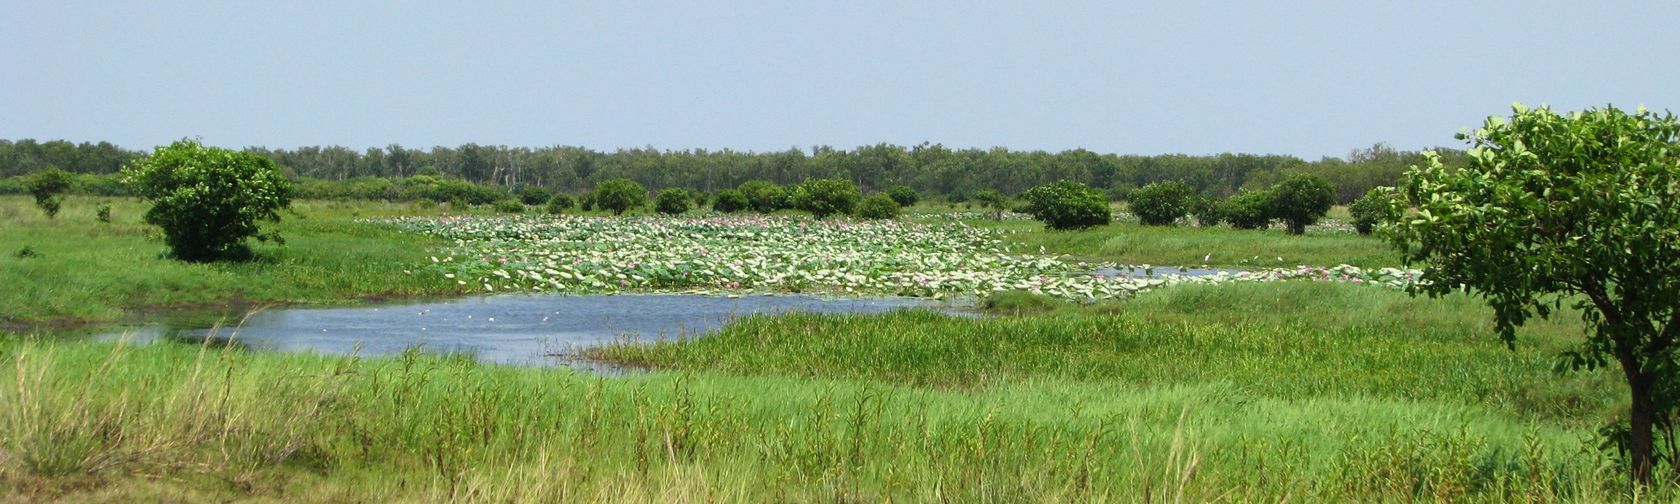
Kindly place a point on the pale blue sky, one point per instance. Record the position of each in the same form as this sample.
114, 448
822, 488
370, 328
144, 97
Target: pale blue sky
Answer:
1302, 78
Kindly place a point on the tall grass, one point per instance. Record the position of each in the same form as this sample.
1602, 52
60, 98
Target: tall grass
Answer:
84, 421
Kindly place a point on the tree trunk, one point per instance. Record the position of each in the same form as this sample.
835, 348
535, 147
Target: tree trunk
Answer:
1641, 416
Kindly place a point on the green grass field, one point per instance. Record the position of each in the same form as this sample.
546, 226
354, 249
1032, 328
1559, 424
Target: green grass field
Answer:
1295, 391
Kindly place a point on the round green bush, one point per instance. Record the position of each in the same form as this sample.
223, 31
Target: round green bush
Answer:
903, 195
1206, 210
46, 186
825, 197
560, 203
729, 201
534, 195
1067, 205
877, 207
1302, 200
1248, 209
619, 195
1372, 208
1161, 203
671, 201
209, 200
508, 206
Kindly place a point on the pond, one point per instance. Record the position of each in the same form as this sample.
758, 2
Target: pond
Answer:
533, 330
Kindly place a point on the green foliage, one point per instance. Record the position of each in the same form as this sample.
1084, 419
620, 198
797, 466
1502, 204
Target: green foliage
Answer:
1020, 302
534, 195
508, 206
730, 201
764, 196
1375, 207
103, 213
46, 186
992, 200
1067, 205
1557, 210
1206, 210
560, 203
825, 197
671, 201
903, 195
1302, 200
587, 201
876, 207
1248, 209
619, 195
1161, 203
209, 200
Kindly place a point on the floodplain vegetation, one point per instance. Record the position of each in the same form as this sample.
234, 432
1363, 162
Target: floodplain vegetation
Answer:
1316, 389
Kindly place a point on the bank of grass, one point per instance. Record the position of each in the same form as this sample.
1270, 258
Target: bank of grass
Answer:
181, 422
75, 268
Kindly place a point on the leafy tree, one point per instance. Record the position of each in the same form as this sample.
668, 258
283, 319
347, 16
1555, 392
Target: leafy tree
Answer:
1372, 208
1206, 210
1574, 209
1302, 200
764, 196
46, 186
209, 200
1248, 209
1067, 205
878, 206
618, 195
534, 195
992, 200
1161, 203
729, 201
825, 197
903, 195
671, 201
560, 203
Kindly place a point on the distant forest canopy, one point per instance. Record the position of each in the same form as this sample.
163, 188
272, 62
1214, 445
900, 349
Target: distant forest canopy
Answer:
928, 168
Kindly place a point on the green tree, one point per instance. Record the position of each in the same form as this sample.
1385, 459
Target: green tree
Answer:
1161, 203
209, 200
1302, 200
1207, 210
729, 201
1371, 209
47, 186
1067, 205
903, 195
1574, 209
534, 195
559, 204
877, 207
765, 196
992, 200
618, 195
671, 201
825, 197
1248, 209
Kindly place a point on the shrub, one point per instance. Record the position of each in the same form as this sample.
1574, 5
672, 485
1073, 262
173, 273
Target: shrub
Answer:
1161, 203
903, 195
1372, 208
103, 214
1206, 209
1248, 209
764, 196
730, 201
992, 200
587, 201
534, 195
1302, 200
699, 197
508, 206
825, 197
876, 207
619, 194
47, 186
559, 203
1067, 205
671, 201
209, 200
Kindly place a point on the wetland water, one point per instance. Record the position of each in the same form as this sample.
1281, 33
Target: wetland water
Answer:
530, 330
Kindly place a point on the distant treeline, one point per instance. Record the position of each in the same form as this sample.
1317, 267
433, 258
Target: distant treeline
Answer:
928, 168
